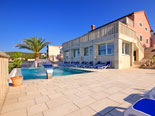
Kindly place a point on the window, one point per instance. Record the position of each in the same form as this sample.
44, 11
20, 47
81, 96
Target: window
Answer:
76, 52
102, 49
88, 51
66, 54
110, 48
140, 24
106, 49
125, 48
141, 38
147, 41
145, 28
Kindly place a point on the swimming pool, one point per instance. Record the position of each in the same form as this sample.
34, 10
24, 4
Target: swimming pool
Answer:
40, 73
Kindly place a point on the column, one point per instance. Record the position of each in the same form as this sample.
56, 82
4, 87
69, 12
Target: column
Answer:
95, 53
131, 54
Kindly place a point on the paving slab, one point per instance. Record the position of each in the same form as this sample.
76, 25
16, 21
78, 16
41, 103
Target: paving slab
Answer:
100, 93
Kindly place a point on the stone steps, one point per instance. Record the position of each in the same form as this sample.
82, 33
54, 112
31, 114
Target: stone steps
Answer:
148, 54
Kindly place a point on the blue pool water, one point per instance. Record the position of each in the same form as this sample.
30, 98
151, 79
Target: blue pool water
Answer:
40, 73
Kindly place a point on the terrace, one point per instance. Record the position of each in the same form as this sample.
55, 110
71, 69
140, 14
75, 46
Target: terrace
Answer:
100, 93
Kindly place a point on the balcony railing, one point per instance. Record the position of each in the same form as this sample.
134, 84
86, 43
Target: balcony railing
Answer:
109, 30
125, 30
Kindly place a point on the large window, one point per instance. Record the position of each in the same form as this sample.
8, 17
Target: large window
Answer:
106, 49
76, 52
125, 48
110, 48
102, 49
88, 51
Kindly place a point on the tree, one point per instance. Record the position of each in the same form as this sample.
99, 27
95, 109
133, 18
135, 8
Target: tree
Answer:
33, 44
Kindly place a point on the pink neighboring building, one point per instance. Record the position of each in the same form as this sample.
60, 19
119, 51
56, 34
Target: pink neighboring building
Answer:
142, 27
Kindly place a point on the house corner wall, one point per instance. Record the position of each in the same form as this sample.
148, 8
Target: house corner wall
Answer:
4, 84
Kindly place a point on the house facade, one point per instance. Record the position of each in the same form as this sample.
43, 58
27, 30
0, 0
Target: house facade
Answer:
54, 53
122, 42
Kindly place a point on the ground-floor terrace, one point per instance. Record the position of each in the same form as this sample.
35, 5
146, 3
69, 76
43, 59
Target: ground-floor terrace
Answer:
121, 53
101, 93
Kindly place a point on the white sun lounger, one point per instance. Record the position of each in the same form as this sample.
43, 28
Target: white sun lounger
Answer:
144, 107
152, 94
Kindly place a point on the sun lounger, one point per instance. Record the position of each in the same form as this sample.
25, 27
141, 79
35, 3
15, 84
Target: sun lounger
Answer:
72, 64
77, 63
144, 107
152, 94
68, 63
104, 66
97, 64
84, 65
89, 65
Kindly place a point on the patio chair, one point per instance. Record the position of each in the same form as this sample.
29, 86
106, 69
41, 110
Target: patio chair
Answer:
77, 63
104, 66
68, 63
62, 64
144, 107
152, 94
89, 65
84, 65
97, 64
71, 63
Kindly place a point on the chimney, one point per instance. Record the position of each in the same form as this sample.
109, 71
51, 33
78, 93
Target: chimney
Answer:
93, 27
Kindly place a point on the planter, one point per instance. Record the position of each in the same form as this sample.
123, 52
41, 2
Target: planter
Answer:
17, 81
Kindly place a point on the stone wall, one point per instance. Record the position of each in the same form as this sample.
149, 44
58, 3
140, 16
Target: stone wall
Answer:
3, 77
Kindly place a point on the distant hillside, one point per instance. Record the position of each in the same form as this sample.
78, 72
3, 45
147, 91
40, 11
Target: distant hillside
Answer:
23, 55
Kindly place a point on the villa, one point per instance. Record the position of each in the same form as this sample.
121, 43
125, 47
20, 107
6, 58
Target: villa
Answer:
54, 52
121, 41
107, 70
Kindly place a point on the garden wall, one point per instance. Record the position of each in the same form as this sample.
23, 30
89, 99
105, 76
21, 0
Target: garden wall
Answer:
3, 77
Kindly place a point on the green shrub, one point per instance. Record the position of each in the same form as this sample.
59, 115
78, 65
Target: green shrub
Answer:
154, 57
17, 63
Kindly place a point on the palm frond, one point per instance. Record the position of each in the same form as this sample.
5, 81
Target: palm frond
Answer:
33, 44
43, 45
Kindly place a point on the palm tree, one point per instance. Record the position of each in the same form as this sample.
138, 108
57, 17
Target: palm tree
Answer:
33, 44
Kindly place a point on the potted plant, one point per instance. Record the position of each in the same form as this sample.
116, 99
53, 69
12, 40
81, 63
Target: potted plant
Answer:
17, 81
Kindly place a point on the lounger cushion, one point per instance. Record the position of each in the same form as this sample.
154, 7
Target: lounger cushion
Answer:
146, 105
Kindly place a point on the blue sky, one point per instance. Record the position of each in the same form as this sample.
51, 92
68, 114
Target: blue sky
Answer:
58, 21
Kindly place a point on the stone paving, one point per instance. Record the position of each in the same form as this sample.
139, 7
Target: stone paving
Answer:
102, 93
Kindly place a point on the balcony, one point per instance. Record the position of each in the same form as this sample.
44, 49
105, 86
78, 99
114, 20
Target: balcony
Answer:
110, 31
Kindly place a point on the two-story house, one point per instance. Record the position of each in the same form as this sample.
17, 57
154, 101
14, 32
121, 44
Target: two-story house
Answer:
121, 41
